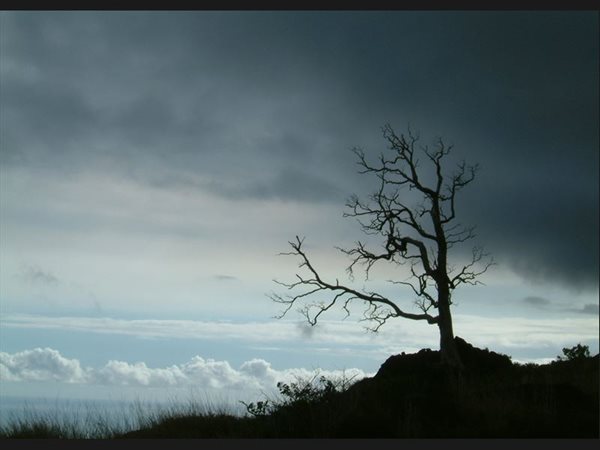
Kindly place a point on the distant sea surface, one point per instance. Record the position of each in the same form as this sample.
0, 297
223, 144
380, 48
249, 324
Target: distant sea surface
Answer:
86, 414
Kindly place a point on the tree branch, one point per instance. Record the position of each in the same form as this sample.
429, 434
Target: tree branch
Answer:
317, 284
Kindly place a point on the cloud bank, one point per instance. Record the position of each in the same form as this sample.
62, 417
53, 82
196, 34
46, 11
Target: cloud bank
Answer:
47, 364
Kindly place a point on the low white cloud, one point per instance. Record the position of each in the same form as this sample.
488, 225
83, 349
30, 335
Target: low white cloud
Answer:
41, 364
46, 364
137, 374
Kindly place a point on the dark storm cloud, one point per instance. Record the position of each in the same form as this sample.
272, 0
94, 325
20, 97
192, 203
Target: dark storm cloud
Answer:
267, 105
195, 92
590, 309
537, 301
545, 226
294, 185
545, 304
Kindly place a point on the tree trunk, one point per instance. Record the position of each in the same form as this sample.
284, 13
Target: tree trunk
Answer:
448, 352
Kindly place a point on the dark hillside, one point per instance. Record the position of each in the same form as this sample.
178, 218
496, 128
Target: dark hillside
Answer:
414, 396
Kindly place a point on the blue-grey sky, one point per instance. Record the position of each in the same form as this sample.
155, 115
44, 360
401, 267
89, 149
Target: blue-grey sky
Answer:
153, 165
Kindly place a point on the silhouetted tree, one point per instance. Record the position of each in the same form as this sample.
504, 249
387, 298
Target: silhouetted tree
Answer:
421, 235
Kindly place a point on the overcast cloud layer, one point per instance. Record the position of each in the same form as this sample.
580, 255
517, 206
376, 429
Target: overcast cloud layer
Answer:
265, 106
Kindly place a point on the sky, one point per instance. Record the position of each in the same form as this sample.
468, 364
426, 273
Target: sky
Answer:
154, 165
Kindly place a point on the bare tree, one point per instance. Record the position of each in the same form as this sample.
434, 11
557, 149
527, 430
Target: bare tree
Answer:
420, 235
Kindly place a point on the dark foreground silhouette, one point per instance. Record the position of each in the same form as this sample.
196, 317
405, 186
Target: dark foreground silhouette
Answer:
415, 396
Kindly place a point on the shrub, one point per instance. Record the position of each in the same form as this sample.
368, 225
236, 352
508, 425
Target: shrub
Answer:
575, 353
302, 391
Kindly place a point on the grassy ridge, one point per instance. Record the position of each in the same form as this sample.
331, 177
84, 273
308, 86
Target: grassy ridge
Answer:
411, 396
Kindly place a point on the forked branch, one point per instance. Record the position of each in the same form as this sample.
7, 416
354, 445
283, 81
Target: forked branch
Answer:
379, 310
